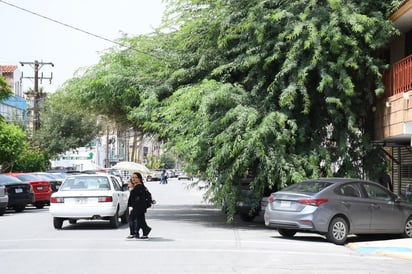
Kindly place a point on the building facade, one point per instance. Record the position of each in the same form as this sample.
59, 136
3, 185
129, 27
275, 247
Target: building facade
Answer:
393, 109
107, 150
14, 108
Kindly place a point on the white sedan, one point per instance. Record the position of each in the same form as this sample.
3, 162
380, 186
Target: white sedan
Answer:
90, 197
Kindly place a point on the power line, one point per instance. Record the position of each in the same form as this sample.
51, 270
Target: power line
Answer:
77, 29
63, 24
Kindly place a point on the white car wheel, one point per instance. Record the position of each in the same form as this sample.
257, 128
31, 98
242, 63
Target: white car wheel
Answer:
114, 221
57, 223
125, 217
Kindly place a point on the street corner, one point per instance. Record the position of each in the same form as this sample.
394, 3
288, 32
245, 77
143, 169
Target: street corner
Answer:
384, 250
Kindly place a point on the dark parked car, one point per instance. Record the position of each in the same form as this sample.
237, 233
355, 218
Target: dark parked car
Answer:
20, 193
249, 205
337, 207
4, 199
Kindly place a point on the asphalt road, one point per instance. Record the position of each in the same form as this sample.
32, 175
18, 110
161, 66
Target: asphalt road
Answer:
188, 236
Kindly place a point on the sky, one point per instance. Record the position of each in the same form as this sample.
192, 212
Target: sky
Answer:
26, 37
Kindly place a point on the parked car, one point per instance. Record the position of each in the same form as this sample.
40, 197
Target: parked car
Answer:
110, 171
337, 207
4, 199
184, 176
248, 204
54, 180
20, 193
155, 175
41, 188
63, 172
90, 197
178, 172
171, 173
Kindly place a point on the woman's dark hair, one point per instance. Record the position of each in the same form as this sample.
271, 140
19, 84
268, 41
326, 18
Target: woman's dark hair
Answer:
139, 176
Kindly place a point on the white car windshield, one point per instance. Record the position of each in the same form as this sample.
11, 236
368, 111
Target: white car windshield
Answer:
86, 183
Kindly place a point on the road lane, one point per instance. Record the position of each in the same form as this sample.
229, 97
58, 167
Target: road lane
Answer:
188, 236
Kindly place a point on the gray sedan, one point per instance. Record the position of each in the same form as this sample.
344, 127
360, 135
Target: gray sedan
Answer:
337, 207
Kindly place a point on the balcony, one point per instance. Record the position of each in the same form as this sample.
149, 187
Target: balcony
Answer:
393, 113
398, 79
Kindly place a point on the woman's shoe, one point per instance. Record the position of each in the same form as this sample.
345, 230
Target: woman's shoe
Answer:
145, 236
130, 236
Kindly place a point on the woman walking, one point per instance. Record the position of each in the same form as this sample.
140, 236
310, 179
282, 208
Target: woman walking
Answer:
132, 221
137, 205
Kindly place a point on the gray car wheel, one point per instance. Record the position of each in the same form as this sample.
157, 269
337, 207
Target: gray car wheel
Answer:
407, 232
338, 231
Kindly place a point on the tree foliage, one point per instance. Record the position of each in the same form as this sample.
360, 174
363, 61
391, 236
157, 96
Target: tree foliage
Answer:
65, 124
32, 160
12, 144
293, 85
275, 89
5, 91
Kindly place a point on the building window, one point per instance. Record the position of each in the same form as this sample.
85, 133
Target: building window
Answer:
406, 171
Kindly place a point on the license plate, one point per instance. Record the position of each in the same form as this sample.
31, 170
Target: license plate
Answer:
18, 190
81, 201
40, 188
285, 204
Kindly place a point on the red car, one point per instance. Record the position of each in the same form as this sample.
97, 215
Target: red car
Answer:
41, 188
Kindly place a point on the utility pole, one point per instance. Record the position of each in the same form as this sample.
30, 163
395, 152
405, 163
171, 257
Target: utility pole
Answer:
36, 65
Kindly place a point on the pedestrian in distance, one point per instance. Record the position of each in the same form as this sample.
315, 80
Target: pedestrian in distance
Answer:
163, 178
132, 221
139, 200
385, 180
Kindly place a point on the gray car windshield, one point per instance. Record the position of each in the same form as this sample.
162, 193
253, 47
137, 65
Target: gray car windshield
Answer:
308, 187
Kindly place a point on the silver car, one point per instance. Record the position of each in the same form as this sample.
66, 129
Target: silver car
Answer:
4, 199
337, 207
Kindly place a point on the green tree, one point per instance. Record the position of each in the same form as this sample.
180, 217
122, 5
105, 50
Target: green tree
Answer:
167, 160
65, 124
5, 91
275, 88
32, 160
12, 144
127, 84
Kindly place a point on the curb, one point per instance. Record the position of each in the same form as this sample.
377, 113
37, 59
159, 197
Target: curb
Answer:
389, 251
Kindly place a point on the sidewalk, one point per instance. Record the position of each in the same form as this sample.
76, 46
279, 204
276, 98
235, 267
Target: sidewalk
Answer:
399, 248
